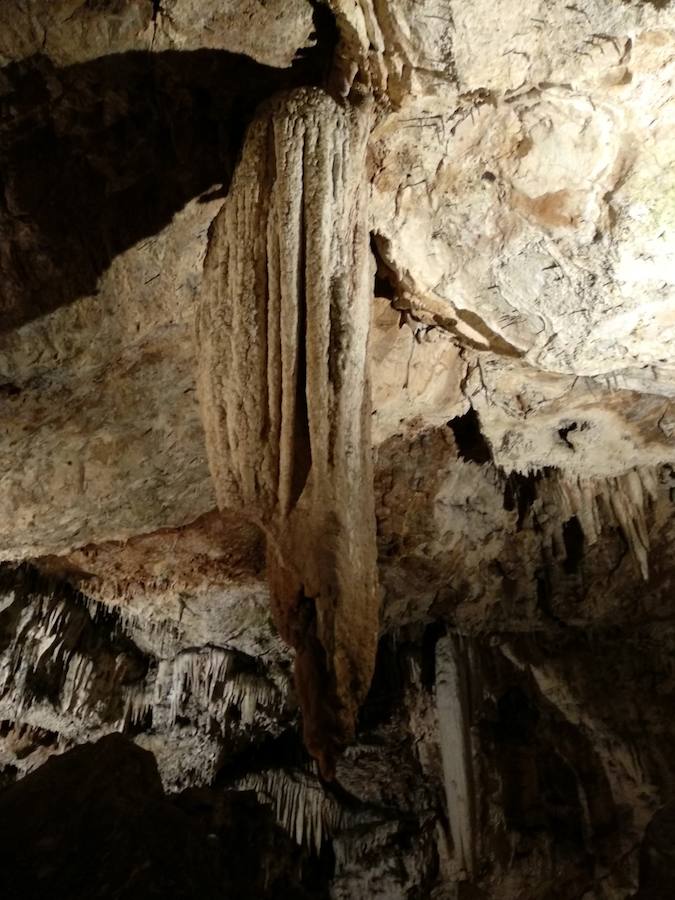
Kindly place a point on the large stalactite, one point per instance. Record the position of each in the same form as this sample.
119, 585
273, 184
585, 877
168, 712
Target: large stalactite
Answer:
282, 335
515, 267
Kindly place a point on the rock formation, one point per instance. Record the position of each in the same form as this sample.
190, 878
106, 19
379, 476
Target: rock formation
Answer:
282, 340
337, 456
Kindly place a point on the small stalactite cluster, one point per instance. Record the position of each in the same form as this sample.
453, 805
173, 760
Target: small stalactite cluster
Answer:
282, 333
67, 661
204, 684
582, 508
623, 499
53, 656
301, 806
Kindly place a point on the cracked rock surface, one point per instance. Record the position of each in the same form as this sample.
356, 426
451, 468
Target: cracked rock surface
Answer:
337, 447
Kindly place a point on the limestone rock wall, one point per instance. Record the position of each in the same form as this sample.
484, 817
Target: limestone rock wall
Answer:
73, 31
426, 248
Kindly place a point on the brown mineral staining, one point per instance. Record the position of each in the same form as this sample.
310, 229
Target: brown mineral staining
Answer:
555, 209
282, 333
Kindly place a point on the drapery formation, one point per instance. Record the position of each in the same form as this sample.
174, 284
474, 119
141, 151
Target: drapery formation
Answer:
282, 335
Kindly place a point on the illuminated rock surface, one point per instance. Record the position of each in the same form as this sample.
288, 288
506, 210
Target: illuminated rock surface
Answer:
339, 338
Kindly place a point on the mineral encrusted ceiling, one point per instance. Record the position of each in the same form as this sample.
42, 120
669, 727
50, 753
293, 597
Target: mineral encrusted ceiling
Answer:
466, 212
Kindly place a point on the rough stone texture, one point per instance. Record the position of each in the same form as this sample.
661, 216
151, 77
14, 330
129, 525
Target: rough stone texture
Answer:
75, 31
282, 333
100, 425
516, 739
393, 49
526, 206
112, 171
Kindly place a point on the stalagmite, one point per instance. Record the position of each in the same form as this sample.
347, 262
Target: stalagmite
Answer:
453, 702
282, 333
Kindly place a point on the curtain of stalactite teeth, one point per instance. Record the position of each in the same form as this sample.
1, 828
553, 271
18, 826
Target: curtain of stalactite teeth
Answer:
282, 333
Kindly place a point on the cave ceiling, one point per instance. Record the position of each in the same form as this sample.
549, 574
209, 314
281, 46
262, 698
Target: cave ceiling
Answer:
337, 425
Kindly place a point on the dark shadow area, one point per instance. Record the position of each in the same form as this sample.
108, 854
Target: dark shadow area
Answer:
96, 156
552, 784
520, 492
386, 693
564, 433
573, 539
472, 445
385, 280
657, 857
95, 822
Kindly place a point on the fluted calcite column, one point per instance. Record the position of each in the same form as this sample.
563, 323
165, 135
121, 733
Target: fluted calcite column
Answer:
282, 334
453, 671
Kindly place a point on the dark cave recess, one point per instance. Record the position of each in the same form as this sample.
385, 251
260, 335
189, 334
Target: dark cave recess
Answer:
96, 156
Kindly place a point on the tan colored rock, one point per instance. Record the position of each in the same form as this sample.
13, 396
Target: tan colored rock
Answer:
417, 374
530, 218
100, 433
394, 48
282, 333
74, 31
519, 165
177, 588
584, 427
271, 33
